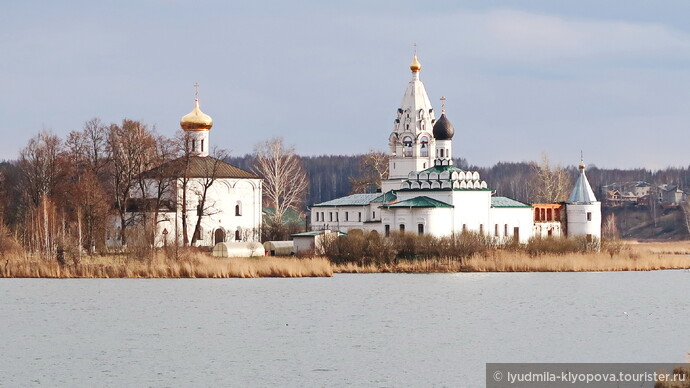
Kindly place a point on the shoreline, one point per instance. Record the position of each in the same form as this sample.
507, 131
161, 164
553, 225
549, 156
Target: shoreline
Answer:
635, 256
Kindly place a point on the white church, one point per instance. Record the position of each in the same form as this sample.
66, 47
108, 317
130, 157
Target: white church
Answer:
426, 194
232, 209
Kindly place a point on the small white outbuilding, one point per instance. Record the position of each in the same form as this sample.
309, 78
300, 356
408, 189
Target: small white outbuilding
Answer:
279, 248
238, 249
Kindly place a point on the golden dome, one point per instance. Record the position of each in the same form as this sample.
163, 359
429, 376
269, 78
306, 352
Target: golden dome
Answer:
415, 66
581, 166
196, 120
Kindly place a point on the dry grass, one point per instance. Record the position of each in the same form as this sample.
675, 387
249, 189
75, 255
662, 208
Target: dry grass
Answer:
193, 265
632, 257
682, 373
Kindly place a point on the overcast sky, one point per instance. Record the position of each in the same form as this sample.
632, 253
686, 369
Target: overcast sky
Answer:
611, 78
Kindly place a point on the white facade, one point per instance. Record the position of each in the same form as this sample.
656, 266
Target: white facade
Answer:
232, 212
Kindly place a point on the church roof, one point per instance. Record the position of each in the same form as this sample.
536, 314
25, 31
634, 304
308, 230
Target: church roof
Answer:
350, 200
582, 191
422, 201
443, 129
199, 167
388, 196
506, 202
440, 169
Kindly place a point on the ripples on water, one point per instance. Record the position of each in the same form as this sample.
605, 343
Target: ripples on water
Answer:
349, 330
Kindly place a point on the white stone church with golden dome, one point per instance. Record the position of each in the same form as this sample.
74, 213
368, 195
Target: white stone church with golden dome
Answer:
206, 201
426, 194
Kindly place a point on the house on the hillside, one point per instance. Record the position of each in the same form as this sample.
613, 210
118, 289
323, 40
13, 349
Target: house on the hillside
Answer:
670, 195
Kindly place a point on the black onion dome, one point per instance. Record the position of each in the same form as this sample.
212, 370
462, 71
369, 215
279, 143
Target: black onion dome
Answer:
443, 129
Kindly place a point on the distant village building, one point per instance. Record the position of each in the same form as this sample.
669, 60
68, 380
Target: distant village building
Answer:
232, 210
671, 196
426, 194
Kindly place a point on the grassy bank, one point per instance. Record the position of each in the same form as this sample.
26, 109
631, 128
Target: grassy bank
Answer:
630, 257
192, 265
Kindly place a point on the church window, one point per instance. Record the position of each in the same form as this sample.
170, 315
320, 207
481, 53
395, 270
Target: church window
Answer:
199, 210
337, 216
387, 230
202, 145
317, 216
481, 229
373, 215
330, 216
425, 146
505, 229
238, 209
193, 145
441, 152
420, 228
360, 217
238, 235
464, 228
589, 216
402, 227
407, 146
347, 216
496, 230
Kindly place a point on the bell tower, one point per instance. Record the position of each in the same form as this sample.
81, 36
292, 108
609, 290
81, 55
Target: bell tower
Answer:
412, 144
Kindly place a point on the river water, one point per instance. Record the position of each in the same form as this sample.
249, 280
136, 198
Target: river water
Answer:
374, 330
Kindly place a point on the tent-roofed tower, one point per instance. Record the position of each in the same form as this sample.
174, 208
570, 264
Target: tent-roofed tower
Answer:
411, 142
197, 125
582, 208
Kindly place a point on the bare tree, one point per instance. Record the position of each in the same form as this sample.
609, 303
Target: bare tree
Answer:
373, 167
42, 169
551, 183
129, 148
285, 181
208, 167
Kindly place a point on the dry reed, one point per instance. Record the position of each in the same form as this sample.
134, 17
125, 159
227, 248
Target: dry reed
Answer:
633, 257
194, 265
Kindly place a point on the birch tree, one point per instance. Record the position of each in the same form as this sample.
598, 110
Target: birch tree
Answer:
373, 167
552, 182
285, 181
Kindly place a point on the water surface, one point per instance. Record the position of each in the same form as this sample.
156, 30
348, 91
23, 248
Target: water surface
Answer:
349, 330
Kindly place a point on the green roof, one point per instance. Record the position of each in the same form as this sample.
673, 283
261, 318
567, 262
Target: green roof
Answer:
440, 169
422, 201
507, 202
388, 196
350, 200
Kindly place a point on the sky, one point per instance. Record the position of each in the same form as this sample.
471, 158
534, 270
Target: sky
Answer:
521, 78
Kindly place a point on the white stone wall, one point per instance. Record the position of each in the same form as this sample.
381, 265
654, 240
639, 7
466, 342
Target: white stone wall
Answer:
504, 220
541, 229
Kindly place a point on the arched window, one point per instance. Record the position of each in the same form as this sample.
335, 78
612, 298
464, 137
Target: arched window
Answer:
202, 145
238, 209
407, 146
238, 235
424, 151
193, 145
